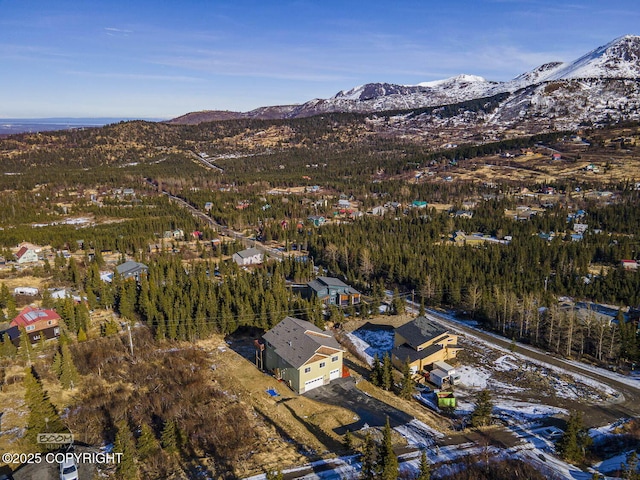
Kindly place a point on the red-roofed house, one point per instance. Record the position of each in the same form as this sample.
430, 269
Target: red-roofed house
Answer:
629, 264
38, 322
26, 255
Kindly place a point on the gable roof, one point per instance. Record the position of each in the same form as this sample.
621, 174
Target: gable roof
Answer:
403, 352
249, 252
320, 283
298, 341
131, 268
21, 252
30, 315
420, 330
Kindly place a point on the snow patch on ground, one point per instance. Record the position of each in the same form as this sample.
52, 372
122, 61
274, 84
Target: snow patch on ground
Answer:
474, 377
379, 342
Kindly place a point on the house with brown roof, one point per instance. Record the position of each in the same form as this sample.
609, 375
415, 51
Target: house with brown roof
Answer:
300, 354
422, 342
26, 255
37, 323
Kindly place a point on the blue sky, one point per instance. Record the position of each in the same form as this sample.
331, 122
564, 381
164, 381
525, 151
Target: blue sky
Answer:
164, 58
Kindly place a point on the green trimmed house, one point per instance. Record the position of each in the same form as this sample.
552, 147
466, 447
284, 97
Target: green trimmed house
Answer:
302, 355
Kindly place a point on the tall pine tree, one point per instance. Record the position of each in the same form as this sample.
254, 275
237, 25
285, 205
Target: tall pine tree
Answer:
387, 465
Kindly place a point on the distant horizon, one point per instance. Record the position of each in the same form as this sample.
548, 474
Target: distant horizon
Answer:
145, 59
14, 126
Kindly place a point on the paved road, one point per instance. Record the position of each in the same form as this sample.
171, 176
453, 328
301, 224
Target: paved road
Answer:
626, 406
248, 242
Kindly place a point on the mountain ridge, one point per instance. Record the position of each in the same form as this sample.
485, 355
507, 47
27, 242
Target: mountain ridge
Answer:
616, 61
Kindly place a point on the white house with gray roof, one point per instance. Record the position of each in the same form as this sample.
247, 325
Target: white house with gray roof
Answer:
250, 256
302, 355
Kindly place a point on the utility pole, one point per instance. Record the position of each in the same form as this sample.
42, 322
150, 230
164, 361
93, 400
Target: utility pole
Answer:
130, 339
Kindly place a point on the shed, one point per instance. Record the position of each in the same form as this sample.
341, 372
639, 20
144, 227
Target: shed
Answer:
438, 377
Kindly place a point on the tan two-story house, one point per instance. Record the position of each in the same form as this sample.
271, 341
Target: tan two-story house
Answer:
302, 355
422, 342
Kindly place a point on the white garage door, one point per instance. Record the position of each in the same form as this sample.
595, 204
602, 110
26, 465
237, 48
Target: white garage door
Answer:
311, 384
333, 374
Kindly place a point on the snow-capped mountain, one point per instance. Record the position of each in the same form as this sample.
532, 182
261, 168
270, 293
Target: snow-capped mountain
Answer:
602, 85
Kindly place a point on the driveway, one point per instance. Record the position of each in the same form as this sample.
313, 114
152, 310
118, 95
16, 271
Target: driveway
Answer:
373, 412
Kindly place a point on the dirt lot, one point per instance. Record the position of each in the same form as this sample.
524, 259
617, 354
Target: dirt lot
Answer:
295, 429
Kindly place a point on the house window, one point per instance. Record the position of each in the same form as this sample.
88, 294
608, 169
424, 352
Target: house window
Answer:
30, 328
322, 364
307, 370
335, 359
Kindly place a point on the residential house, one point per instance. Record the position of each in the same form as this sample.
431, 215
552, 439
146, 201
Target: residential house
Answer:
302, 355
26, 255
250, 256
332, 291
630, 264
419, 204
464, 214
422, 342
378, 211
131, 269
38, 323
177, 234
580, 227
317, 220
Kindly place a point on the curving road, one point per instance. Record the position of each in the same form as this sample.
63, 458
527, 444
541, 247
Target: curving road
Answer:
628, 405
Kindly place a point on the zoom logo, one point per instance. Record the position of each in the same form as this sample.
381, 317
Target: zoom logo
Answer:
55, 438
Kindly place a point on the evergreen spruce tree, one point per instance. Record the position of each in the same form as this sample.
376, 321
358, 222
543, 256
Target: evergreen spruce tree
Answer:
69, 375
169, 437
7, 348
387, 465
147, 444
386, 380
12, 311
368, 459
398, 304
43, 416
481, 415
575, 440
630, 467
126, 468
82, 335
347, 442
56, 365
26, 349
424, 472
376, 371
407, 382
